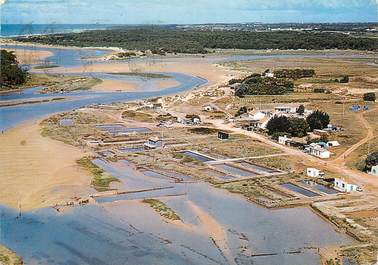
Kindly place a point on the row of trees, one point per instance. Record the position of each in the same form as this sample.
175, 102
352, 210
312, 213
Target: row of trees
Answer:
295, 126
172, 39
11, 74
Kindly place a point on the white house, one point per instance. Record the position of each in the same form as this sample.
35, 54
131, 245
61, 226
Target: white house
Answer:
283, 139
314, 172
333, 143
374, 170
344, 186
318, 151
283, 109
153, 143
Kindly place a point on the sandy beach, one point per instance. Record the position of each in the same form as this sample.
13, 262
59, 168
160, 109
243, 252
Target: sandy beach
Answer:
37, 171
30, 56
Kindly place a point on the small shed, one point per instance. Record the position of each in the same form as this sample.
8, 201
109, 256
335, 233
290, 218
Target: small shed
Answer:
314, 172
153, 143
333, 144
223, 135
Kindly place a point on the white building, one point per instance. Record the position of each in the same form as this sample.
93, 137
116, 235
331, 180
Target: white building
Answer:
153, 143
333, 143
283, 139
269, 74
314, 172
318, 151
283, 110
344, 186
374, 170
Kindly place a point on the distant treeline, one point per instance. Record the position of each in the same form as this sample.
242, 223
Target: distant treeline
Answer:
176, 40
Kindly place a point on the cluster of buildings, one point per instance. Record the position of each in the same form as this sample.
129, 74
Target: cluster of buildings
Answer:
339, 184
259, 119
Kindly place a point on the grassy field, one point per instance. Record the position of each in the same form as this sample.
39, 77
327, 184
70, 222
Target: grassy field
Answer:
101, 180
162, 209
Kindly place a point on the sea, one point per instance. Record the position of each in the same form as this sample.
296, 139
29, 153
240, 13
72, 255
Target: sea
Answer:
13, 30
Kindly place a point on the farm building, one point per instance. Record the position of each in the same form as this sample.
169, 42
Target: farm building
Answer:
153, 143
314, 172
344, 186
318, 151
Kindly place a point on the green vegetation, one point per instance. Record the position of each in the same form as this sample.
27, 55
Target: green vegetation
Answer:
318, 120
162, 209
300, 110
170, 39
46, 66
144, 75
279, 125
241, 111
371, 160
11, 74
101, 180
294, 73
8, 257
369, 97
257, 85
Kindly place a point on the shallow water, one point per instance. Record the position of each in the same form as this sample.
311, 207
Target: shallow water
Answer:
197, 156
234, 170
300, 190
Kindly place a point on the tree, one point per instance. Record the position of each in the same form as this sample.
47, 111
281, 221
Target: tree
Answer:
278, 124
369, 97
298, 127
301, 110
371, 160
318, 120
10, 73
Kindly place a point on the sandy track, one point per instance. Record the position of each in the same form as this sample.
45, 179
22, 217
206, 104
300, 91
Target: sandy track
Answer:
369, 136
37, 171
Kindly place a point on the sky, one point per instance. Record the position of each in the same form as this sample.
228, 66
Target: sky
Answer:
185, 11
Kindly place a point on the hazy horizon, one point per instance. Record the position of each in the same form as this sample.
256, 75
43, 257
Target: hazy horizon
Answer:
166, 12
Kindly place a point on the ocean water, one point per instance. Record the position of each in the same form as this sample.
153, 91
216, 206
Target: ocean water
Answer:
11, 30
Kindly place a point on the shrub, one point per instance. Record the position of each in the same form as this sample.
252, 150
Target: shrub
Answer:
369, 97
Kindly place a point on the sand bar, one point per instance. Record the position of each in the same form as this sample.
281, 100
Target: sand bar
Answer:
37, 171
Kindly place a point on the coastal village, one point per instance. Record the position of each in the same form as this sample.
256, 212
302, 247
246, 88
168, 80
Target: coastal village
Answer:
208, 135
